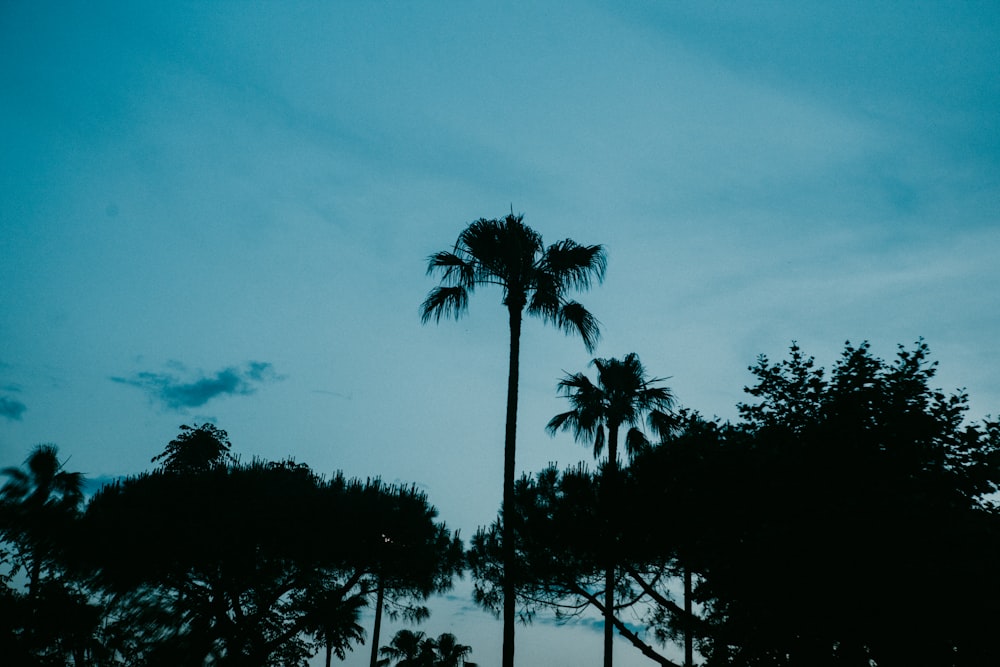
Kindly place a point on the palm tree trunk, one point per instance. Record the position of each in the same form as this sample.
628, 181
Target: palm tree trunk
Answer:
379, 600
611, 476
688, 630
509, 445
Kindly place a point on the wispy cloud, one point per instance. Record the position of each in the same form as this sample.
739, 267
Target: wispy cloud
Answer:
11, 408
178, 394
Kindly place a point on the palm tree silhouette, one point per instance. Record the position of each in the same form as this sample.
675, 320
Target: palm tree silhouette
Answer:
408, 649
623, 396
414, 649
335, 623
533, 280
38, 500
449, 652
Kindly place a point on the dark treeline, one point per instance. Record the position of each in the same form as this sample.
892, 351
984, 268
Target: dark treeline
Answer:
207, 560
844, 519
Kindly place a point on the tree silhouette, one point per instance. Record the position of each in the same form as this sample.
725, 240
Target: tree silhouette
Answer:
38, 507
336, 623
410, 648
196, 448
37, 503
233, 554
449, 652
533, 280
623, 396
560, 529
845, 514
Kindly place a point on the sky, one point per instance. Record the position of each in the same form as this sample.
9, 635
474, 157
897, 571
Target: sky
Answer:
222, 211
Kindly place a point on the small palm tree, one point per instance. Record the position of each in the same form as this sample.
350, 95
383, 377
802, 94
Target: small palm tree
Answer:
449, 652
36, 501
623, 396
535, 280
336, 623
407, 649
414, 649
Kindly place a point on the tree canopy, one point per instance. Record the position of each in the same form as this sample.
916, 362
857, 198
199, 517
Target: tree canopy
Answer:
237, 554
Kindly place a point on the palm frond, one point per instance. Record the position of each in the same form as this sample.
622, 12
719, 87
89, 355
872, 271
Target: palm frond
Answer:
662, 423
574, 318
575, 383
562, 421
17, 486
455, 270
654, 399
445, 301
573, 265
599, 440
635, 442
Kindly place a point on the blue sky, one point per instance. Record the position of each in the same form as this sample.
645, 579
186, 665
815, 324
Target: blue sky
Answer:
222, 211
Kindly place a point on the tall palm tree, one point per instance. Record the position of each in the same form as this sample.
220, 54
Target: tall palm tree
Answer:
623, 396
535, 280
35, 501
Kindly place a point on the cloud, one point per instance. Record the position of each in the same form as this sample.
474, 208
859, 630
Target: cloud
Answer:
177, 394
11, 408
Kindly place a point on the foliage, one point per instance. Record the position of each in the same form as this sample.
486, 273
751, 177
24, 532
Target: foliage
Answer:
196, 448
562, 548
52, 620
623, 396
234, 556
36, 505
414, 649
844, 516
509, 254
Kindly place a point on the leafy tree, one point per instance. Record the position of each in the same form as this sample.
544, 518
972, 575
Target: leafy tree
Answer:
233, 555
533, 279
622, 396
845, 515
196, 448
562, 551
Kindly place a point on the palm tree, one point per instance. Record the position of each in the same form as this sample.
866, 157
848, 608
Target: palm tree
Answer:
35, 501
414, 649
623, 396
535, 280
336, 623
408, 649
449, 652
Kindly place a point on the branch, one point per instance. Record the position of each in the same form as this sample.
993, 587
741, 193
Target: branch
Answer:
659, 598
303, 621
625, 632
